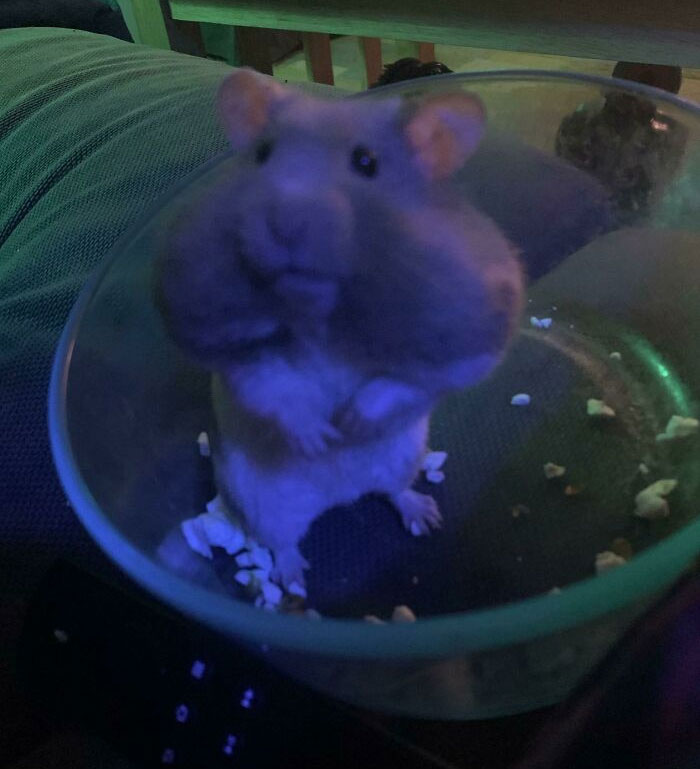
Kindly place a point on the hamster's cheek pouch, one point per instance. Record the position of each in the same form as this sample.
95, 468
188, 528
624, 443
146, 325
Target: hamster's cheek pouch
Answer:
470, 371
311, 295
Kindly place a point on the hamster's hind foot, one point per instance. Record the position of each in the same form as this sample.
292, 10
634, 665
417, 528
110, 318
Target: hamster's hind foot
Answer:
419, 512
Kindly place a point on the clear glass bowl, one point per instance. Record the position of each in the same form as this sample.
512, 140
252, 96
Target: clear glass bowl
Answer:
491, 639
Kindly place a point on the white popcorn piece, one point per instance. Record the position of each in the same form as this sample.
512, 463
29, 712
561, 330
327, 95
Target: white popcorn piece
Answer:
434, 460
222, 532
517, 510
554, 591
402, 614
203, 443
414, 580
540, 322
272, 593
415, 529
652, 508
643, 469
678, 427
597, 408
553, 471
296, 589
608, 560
373, 620
435, 476
244, 560
193, 531
244, 577
312, 614
650, 502
261, 557
660, 488
521, 399
615, 356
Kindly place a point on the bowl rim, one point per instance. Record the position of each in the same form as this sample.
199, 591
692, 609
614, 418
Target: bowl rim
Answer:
644, 577
533, 75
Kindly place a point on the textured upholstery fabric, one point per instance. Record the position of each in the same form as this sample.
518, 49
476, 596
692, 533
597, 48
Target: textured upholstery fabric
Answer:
92, 130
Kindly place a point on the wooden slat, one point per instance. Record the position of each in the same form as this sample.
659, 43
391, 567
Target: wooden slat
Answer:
426, 52
371, 51
646, 30
148, 21
317, 52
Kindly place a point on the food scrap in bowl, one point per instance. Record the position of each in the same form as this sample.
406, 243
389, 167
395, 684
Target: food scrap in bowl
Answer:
622, 547
598, 408
650, 502
678, 427
432, 462
203, 444
553, 471
608, 560
519, 510
403, 614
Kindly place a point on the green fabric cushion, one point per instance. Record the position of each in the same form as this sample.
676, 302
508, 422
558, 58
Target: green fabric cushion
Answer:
92, 131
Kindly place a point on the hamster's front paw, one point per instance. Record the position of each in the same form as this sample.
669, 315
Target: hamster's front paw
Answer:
289, 567
354, 425
419, 512
310, 437
377, 406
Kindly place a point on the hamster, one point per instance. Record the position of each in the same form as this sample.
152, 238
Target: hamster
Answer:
337, 287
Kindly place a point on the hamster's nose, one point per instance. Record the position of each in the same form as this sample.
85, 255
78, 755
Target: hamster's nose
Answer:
288, 220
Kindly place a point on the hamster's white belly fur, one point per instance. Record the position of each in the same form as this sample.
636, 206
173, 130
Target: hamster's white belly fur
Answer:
337, 477
299, 488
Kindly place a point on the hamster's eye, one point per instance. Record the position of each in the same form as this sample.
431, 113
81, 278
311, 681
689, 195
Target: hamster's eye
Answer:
262, 151
364, 161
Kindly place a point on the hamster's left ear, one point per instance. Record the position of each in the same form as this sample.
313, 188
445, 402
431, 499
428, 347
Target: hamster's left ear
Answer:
443, 131
245, 101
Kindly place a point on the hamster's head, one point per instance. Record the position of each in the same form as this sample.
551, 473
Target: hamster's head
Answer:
313, 169
321, 189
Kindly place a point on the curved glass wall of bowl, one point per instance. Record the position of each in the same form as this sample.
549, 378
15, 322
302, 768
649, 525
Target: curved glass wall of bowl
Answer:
617, 360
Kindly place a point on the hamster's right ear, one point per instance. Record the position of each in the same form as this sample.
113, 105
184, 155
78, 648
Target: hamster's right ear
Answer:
245, 100
442, 131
